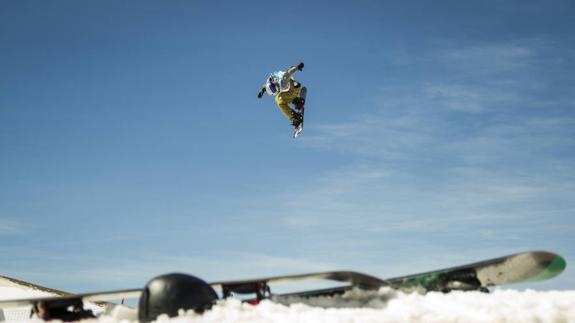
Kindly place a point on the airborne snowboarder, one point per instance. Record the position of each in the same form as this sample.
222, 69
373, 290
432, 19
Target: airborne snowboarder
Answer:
286, 91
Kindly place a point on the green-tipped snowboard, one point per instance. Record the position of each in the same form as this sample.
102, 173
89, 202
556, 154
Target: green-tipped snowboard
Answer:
517, 268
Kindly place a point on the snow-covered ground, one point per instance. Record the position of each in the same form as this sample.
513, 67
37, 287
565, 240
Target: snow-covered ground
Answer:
502, 305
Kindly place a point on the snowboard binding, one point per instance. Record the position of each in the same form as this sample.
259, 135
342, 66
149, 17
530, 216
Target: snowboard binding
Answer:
299, 104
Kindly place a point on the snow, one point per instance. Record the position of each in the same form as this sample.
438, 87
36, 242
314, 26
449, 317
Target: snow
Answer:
10, 290
502, 305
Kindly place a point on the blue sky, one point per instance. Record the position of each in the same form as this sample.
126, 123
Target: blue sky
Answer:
132, 143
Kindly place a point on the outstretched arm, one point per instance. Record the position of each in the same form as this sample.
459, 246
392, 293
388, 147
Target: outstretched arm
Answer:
293, 69
261, 92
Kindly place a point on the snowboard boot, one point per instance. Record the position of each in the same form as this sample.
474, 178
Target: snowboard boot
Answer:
296, 119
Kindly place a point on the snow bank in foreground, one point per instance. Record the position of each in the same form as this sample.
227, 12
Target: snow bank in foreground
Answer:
383, 306
390, 306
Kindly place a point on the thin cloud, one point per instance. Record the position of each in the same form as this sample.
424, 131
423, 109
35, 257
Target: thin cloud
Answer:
496, 101
386, 203
10, 227
488, 59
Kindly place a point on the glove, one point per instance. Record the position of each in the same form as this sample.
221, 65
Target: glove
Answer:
300, 66
260, 93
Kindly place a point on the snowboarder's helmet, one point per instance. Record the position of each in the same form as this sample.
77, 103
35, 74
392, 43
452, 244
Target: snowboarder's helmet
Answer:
272, 85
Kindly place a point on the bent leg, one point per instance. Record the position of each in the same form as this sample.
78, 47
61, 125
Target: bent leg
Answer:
283, 101
299, 101
287, 111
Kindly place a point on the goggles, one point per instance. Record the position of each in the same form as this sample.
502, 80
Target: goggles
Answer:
272, 88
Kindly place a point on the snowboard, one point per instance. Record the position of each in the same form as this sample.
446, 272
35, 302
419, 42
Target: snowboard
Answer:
300, 107
516, 268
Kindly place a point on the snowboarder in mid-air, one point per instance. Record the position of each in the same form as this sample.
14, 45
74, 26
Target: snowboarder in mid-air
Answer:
286, 91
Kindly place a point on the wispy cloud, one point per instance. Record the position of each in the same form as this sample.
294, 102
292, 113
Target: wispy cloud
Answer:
494, 99
9, 226
356, 200
490, 58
